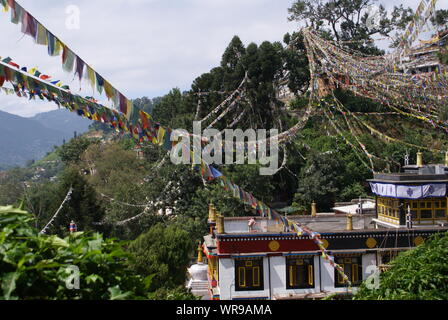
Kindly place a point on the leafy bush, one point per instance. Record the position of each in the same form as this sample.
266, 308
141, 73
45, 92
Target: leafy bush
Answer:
164, 251
179, 293
417, 274
36, 266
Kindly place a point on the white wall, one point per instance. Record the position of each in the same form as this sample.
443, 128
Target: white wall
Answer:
327, 277
241, 225
277, 283
368, 259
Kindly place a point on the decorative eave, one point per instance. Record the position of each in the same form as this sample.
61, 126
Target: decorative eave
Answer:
410, 178
279, 244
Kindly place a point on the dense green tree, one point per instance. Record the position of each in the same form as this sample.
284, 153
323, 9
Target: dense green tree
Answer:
179, 293
99, 126
165, 251
144, 103
248, 177
35, 266
440, 19
263, 65
12, 185
351, 20
233, 53
296, 63
319, 181
174, 112
71, 152
41, 200
83, 206
417, 274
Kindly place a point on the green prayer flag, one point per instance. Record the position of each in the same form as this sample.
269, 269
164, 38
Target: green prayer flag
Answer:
41, 38
69, 60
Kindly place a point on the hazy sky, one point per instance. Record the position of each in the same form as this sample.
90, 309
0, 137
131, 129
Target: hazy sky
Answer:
144, 47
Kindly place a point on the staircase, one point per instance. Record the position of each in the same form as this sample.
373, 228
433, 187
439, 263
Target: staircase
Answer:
199, 288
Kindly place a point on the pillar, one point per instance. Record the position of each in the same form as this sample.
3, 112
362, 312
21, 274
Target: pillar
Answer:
219, 223
200, 258
211, 213
313, 209
349, 222
419, 159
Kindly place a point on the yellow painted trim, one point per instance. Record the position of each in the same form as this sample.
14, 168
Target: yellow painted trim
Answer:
355, 275
371, 242
242, 276
274, 245
418, 240
291, 276
256, 279
310, 275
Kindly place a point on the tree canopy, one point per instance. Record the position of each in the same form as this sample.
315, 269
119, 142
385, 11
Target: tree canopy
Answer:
34, 266
164, 251
417, 274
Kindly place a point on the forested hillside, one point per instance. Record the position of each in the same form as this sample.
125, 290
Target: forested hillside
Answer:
63, 121
25, 140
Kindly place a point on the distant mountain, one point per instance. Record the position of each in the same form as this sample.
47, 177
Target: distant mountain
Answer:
64, 121
23, 139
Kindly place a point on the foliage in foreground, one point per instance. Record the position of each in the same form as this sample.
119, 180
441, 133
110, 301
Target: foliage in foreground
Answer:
418, 274
36, 266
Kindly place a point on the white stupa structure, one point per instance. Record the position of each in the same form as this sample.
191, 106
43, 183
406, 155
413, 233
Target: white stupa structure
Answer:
198, 282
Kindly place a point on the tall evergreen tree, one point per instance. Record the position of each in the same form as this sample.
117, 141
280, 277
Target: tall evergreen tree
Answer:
83, 207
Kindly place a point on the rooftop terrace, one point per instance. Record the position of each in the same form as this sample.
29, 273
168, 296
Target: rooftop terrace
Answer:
323, 222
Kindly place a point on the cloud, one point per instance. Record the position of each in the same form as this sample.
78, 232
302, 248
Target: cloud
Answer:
145, 47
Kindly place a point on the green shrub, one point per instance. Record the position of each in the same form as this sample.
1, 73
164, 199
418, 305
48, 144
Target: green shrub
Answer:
417, 274
36, 266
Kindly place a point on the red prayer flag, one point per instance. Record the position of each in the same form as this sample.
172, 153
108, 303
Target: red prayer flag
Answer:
144, 120
123, 103
14, 64
29, 24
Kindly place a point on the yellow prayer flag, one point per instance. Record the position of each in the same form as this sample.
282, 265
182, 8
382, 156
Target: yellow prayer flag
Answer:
42, 37
58, 47
91, 76
109, 89
161, 135
129, 109
191, 155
